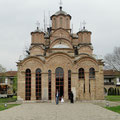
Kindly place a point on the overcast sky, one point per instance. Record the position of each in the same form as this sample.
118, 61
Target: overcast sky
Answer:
18, 18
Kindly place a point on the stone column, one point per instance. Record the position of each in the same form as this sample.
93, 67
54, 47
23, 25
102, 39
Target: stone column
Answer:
21, 86
99, 85
81, 90
53, 86
73, 84
45, 86
92, 89
87, 85
66, 85
33, 87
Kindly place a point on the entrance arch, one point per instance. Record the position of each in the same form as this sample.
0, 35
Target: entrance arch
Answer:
59, 76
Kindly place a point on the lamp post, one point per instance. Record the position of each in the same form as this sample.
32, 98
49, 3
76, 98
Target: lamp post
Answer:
5, 105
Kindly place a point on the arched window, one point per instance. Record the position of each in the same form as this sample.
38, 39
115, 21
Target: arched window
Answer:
61, 21
81, 73
55, 23
38, 84
69, 83
28, 84
91, 73
49, 84
60, 81
67, 23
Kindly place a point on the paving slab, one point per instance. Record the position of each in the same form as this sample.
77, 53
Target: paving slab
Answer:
65, 111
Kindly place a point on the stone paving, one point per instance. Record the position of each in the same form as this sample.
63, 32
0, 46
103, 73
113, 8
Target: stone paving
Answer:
65, 111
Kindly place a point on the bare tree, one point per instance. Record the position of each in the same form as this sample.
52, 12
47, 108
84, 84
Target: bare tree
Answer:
2, 69
112, 61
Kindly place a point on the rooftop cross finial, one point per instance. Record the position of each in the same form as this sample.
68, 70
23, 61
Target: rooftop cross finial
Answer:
84, 23
38, 25
60, 4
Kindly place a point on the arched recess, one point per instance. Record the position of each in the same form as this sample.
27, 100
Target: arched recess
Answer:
61, 32
61, 55
28, 84
118, 91
111, 91
91, 76
36, 50
49, 84
27, 61
59, 76
81, 75
105, 91
61, 41
85, 49
38, 84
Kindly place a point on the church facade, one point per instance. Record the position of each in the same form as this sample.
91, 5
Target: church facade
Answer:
60, 60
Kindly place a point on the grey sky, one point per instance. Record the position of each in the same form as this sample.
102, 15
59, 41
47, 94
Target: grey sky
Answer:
18, 18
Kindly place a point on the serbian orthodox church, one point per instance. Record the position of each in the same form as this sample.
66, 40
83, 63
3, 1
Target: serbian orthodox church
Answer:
60, 60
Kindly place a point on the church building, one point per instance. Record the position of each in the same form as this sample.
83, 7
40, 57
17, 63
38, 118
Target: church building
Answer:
60, 60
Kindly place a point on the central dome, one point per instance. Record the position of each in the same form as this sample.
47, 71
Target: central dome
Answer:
61, 12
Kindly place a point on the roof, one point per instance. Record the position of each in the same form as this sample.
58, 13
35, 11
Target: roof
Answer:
111, 72
60, 12
9, 73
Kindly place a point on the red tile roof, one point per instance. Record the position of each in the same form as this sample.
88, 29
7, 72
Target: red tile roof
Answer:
111, 72
9, 73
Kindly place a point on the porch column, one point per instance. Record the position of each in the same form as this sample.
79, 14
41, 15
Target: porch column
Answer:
87, 85
53, 87
33, 87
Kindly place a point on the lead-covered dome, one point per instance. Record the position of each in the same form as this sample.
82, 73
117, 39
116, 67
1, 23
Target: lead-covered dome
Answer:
61, 12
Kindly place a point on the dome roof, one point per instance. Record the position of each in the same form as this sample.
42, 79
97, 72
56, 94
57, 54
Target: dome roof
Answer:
60, 12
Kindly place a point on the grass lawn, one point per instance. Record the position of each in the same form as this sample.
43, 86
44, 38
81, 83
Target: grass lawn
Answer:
115, 109
112, 98
6, 100
2, 107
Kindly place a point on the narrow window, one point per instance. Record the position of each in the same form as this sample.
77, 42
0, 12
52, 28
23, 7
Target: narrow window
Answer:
89, 86
38, 84
49, 84
55, 23
69, 83
91, 73
61, 20
81, 73
67, 23
28, 84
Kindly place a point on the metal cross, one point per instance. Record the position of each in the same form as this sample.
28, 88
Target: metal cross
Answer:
60, 2
84, 23
38, 24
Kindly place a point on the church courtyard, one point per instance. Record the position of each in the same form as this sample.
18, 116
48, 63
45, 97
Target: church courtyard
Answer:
65, 111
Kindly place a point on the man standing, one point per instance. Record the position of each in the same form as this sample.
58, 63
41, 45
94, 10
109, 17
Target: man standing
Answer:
71, 97
57, 97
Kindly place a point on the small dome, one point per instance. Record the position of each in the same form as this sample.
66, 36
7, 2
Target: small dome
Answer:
61, 12
84, 30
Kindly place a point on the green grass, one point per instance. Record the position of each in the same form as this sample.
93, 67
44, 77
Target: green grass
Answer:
6, 100
115, 109
2, 107
112, 98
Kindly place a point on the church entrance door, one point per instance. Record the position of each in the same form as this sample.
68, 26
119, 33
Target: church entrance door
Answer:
60, 81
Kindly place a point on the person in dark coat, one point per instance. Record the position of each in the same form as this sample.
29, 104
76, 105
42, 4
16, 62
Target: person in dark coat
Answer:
71, 97
57, 97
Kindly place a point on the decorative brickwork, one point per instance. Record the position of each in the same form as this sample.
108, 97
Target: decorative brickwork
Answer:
59, 48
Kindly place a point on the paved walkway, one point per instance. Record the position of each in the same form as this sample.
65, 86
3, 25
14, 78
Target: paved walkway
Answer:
66, 111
